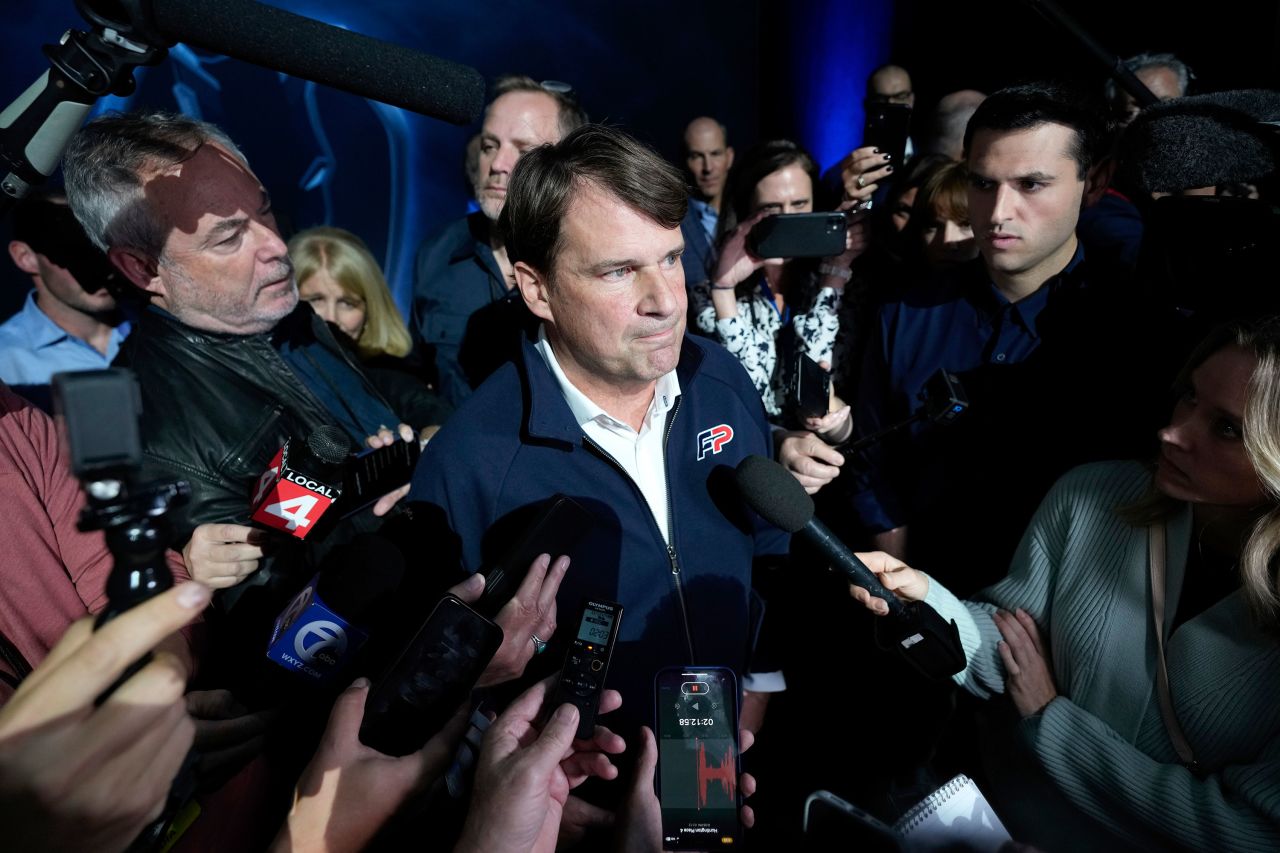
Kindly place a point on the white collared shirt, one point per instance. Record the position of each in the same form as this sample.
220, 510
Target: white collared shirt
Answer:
641, 454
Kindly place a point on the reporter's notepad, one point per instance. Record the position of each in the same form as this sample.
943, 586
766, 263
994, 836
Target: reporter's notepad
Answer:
956, 813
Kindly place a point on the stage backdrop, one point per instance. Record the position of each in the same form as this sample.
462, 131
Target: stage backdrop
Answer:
766, 68
392, 176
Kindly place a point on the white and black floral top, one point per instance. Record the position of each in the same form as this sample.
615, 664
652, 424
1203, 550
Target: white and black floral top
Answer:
752, 335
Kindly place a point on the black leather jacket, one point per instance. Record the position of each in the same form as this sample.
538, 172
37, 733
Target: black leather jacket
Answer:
217, 407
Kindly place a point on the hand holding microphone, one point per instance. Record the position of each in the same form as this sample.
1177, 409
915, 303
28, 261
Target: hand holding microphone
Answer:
896, 576
915, 629
306, 478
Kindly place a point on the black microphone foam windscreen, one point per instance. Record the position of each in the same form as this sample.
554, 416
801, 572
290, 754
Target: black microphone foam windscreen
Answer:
773, 493
1202, 141
303, 47
329, 444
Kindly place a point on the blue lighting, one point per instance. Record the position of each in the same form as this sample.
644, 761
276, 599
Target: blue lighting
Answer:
836, 45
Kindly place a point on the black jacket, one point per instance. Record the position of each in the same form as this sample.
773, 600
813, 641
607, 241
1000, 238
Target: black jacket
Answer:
217, 407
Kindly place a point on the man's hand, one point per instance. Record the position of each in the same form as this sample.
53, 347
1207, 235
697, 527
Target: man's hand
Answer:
349, 790
78, 777
640, 824
525, 773
810, 459
222, 555
383, 438
860, 171
1028, 669
227, 735
530, 612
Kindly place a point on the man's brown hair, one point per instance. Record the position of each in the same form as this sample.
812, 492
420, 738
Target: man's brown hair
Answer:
545, 179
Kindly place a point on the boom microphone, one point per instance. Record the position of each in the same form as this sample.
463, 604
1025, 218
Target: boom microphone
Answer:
310, 49
36, 127
913, 628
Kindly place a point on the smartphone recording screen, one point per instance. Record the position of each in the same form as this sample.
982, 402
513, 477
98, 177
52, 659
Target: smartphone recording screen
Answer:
698, 758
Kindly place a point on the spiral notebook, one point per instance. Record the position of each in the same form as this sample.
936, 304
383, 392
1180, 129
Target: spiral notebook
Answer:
956, 813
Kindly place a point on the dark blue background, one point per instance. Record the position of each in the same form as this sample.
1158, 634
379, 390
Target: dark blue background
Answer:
767, 68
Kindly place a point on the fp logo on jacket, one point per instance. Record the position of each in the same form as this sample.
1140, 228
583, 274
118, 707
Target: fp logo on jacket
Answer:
714, 440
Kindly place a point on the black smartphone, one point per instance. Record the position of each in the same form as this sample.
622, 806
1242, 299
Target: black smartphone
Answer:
830, 823
374, 473
798, 235
697, 729
430, 679
810, 391
556, 530
586, 666
887, 128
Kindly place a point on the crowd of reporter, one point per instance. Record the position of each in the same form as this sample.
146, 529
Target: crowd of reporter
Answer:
971, 256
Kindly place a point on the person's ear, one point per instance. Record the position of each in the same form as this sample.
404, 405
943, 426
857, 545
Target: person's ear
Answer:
24, 257
142, 270
1097, 181
534, 288
728, 157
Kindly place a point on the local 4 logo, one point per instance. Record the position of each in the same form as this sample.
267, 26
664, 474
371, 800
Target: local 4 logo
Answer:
288, 502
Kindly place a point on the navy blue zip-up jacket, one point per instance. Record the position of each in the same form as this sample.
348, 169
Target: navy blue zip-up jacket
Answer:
515, 443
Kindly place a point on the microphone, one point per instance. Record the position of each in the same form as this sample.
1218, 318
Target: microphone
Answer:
324, 628
302, 482
128, 34
306, 478
914, 628
310, 49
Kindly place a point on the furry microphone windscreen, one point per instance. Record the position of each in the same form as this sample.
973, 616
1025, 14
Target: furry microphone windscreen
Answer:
1202, 141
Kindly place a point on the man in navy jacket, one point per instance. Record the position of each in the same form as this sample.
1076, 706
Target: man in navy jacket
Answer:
617, 408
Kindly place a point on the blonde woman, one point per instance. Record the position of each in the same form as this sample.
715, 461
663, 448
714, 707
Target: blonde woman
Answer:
1128, 737
338, 276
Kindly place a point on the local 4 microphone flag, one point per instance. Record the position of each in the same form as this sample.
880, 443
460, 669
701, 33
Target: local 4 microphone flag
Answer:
289, 498
312, 640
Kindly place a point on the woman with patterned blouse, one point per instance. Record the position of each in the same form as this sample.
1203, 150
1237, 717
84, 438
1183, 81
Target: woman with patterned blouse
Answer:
766, 311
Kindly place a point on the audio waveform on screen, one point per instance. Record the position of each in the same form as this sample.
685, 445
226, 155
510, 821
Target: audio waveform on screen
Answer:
722, 772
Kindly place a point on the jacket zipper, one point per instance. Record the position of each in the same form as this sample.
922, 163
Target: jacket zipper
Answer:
671, 517
671, 534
